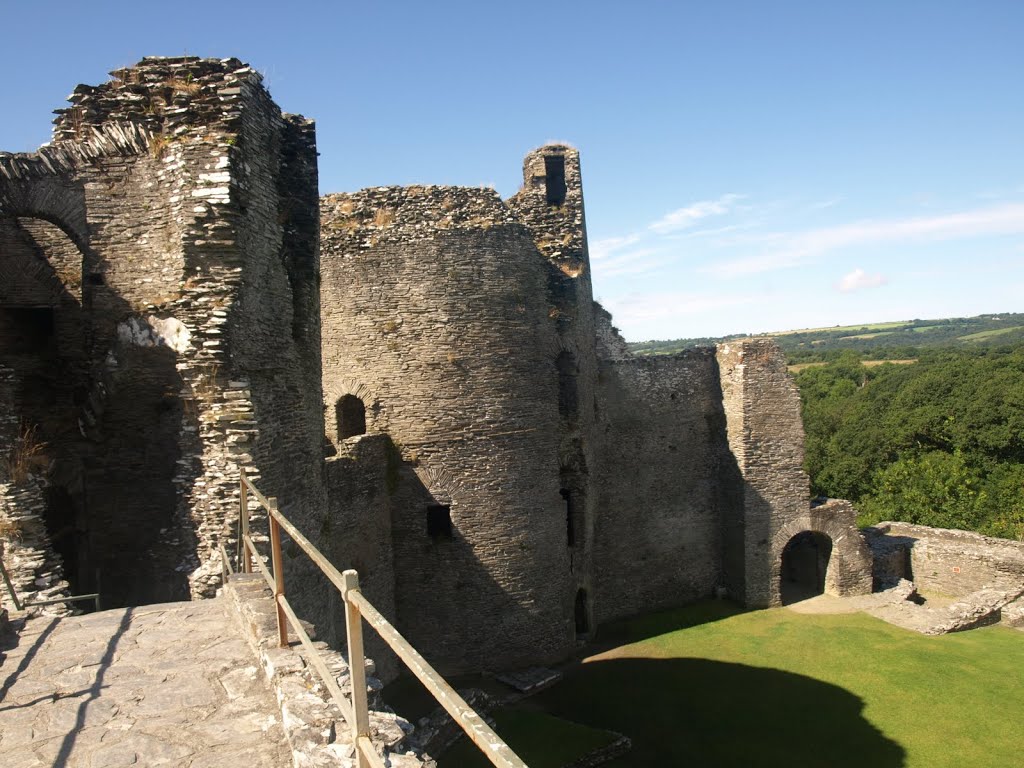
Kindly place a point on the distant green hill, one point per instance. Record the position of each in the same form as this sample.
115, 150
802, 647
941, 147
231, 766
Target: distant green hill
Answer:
879, 341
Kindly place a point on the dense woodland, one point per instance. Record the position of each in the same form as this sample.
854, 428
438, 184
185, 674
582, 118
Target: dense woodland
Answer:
938, 440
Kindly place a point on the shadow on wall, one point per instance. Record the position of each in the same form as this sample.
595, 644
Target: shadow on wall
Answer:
411, 546
101, 397
449, 602
700, 712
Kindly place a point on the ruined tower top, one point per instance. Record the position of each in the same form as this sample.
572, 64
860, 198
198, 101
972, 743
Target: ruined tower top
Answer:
164, 95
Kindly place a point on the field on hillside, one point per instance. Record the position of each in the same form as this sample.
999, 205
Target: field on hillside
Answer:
710, 685
885, 341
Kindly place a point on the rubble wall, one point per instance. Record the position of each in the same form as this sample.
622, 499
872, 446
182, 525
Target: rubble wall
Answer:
172, 180
944, 561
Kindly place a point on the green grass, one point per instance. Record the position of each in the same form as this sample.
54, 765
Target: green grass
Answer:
868, 335
982, 335
543, 741
842, 328
709, 685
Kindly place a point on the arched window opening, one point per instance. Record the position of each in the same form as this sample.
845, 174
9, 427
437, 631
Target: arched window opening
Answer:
351, 415
804, 565
582, 614
568, 397
439, 522
554, 179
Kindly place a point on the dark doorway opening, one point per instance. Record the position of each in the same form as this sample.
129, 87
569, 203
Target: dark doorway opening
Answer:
582, 614
804, 565
26, 330
439, 522
554, 179
351, 415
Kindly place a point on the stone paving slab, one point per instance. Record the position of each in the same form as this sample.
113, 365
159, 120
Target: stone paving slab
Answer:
173, 684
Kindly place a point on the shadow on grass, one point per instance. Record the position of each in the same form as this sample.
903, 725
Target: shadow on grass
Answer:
637, 628
710, 713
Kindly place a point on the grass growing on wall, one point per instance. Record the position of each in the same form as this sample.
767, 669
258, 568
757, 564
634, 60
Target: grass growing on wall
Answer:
711, 686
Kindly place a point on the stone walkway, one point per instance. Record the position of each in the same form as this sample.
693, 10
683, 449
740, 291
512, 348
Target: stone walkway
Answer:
159, 685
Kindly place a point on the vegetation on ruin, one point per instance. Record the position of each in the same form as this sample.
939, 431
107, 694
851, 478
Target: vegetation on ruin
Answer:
711, 685
938, 443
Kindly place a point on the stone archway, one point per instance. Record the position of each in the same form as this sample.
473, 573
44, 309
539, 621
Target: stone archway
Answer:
804, 568
44, 372
848, 568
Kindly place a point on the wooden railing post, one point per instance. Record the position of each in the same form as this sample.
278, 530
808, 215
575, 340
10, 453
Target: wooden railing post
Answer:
356, 666
10, 587
244, 556
275, 558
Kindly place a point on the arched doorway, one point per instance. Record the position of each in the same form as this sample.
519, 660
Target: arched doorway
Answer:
350, 413
43, 360
805, 560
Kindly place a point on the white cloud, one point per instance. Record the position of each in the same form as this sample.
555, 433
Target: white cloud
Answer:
632, 263
859, 280
602, 249
823, 204
683, 218
799, 248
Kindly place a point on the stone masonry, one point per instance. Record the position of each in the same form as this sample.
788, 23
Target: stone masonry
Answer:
438, 402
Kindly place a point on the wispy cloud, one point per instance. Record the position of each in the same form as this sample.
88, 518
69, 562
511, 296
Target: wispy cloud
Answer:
632, 263
799, 248
823, 204
638, 308
858, 280
602, 249
683, 218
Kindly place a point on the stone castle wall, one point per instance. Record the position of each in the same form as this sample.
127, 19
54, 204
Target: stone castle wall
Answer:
439, 403
766, 439
167, 183
943, 561
436, 314
661, 438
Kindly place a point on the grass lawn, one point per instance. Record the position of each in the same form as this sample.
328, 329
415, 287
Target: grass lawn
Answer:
541, 740
709, 685
983, 335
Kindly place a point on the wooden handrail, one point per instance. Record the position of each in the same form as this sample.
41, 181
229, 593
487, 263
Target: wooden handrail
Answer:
20, 605
357, 608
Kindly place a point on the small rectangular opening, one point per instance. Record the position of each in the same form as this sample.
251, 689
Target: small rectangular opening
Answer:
570, 529
439, 521
554, 179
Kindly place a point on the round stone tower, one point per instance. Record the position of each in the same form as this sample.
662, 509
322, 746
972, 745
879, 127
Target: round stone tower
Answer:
444, 327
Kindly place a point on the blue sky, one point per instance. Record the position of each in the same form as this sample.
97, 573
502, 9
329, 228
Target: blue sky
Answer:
748, 166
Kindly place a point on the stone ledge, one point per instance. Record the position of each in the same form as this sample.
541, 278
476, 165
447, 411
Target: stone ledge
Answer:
316, 731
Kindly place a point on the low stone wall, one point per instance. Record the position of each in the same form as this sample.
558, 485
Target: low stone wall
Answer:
943, 561
35, 570
316, 730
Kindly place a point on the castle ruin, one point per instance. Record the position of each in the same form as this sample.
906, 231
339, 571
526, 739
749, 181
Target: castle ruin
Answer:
419, 374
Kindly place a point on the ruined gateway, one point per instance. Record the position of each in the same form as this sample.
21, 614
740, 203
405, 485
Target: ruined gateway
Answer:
420, 375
